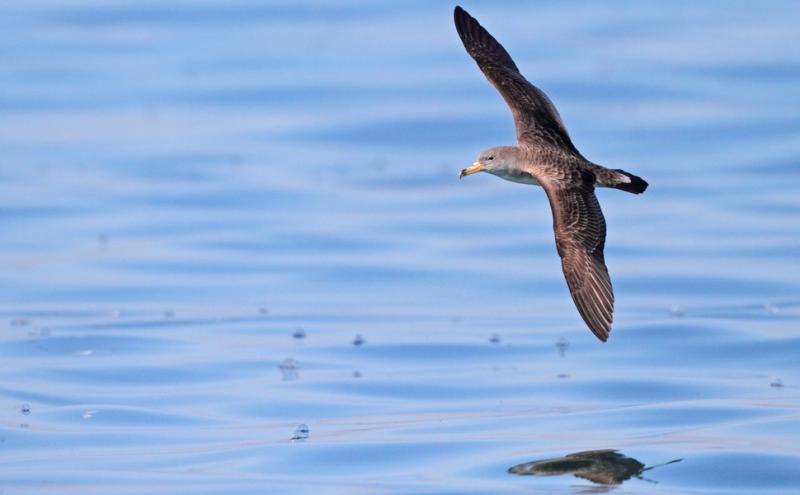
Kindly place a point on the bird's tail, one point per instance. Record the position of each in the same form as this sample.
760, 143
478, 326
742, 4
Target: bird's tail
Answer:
629, 182
618, 179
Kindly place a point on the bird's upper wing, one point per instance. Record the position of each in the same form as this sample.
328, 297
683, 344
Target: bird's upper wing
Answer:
536, 118
580, 231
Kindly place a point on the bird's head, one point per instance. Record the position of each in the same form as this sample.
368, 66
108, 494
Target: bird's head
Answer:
496, 161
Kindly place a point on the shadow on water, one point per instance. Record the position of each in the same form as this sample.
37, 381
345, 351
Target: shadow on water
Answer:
604, 467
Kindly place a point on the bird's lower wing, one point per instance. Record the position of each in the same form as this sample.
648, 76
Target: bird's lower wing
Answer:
580, 232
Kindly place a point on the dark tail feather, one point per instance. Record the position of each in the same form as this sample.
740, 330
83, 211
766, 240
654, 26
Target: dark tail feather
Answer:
637, 185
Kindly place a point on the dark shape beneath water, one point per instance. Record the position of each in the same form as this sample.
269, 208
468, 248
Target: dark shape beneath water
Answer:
605, 467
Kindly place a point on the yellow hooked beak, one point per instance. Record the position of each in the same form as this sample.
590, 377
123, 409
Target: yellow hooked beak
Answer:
473, 169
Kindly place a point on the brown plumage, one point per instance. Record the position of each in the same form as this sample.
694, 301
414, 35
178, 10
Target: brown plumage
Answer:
545, 156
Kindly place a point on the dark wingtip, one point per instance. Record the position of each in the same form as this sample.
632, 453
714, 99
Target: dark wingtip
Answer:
600, 331
481, 45
458, 12
462, 19
598, 323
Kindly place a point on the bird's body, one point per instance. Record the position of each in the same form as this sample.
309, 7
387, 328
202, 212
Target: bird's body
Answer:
545, 156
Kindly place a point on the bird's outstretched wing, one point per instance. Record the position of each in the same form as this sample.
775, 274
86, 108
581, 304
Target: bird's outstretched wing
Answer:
580, 231
535, 116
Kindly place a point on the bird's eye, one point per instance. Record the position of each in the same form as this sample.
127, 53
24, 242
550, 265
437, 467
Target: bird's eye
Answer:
490, 157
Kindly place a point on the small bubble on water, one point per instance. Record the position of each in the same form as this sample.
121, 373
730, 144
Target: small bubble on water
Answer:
677, 312
289, 369
85, 352
776, 383
42, 333
299, 333
289, 364
359, 341
88, 414
25, 409
300, 433
495, 339
562, 344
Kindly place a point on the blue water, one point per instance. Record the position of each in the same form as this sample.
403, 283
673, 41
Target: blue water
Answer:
185, 185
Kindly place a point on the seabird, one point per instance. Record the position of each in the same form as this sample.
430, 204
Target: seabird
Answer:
545, 156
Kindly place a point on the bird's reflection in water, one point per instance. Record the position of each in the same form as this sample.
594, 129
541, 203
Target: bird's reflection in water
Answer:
604, 467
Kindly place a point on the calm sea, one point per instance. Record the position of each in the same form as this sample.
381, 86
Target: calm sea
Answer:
236, 257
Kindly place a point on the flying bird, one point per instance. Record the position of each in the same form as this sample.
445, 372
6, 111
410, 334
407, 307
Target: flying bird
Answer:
545, 156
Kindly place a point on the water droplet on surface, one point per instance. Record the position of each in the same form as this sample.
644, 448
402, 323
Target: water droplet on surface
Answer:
289, 364
88, 414
359, 341
299, 333
289, 369
301, 433
25, 409
562, 346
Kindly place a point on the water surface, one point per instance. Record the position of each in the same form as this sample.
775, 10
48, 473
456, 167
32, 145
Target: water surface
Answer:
206, 207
